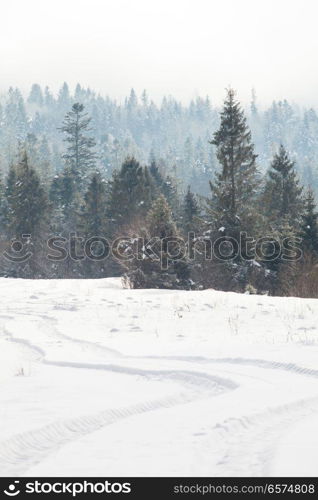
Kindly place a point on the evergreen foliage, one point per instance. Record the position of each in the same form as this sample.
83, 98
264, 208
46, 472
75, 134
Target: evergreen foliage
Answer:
309, 224
80, 157
190, 212
282, 190
130, 193
81, 196
26, 200
93, 214
162, 263
235, 186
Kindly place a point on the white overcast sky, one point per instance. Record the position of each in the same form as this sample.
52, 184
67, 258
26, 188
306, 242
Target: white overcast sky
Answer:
179, 47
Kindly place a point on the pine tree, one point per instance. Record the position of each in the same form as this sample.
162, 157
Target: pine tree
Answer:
45, 162
190, 212
160, 221
80, 156
160, 264
94, 227
93, 215
309, 224
284, 269
130, 193
165, 185
79, 93
156, 175
27, 200
8, 201
64, 98
173, 273
150, 188
14, 125
26, 219
282, 194
66, 199
36, 96
235, 187
31, 148
170, 192
48, 97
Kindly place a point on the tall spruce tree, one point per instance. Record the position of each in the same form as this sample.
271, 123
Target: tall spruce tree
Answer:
80, 157
235, 186
282, 194
309, 224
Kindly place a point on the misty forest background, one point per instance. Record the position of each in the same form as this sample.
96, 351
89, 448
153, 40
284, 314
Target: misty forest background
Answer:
87, 165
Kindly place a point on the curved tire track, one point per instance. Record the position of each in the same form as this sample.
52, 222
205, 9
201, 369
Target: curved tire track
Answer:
232, 434
23, 450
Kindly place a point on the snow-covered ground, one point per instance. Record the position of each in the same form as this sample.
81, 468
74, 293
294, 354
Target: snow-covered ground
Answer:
97, 380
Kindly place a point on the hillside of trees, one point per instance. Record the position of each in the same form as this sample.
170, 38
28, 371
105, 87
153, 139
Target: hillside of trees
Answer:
173, 134
223, 198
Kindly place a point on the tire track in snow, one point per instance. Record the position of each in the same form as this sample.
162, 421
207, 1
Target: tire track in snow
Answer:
258, 433
194, 378
231, 433
52, 331
259, 363
26, 449
55, 333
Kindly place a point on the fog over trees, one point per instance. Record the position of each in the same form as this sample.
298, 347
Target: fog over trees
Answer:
175, 135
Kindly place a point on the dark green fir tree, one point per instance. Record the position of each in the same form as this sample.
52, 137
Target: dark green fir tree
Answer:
190, 212
130, 194
80, 156
93, 214
282, 194
234, 189
309, 224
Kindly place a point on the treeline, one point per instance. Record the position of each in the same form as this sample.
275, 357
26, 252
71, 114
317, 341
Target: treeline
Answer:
253, 233
174, 135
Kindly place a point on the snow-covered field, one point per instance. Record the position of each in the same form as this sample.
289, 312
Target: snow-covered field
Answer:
97, 380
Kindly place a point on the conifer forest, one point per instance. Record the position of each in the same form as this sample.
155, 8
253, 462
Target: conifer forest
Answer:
226, 196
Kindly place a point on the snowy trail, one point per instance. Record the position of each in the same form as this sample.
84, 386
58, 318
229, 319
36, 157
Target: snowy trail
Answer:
26, 449
112, 391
